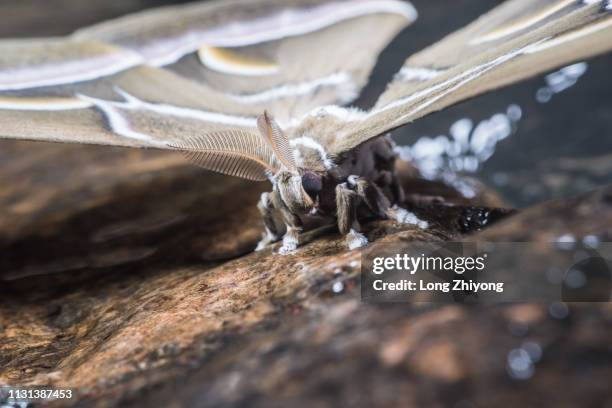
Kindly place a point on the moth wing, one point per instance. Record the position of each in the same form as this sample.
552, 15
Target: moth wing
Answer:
57, 90
286, 57
515, 41
68, 91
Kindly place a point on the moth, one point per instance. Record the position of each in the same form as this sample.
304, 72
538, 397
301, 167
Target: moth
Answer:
257, 89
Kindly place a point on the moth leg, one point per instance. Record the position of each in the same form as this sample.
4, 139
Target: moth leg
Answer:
404, 216
346, 204
380, 205
272, 231
371, 195
385, 151
397, 191
294, 227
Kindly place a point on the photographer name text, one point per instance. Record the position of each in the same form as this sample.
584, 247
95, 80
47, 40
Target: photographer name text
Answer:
404, 263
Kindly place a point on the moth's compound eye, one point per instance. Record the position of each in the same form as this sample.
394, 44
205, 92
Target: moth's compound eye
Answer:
312, 184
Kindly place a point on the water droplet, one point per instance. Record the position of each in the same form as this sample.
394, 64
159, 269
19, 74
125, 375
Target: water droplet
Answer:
558, 310
591, 241
460, 130
519, 364
454, 149
565, 242
337, 287
560, 80
466, 148
575, 70
514, 112
544, 95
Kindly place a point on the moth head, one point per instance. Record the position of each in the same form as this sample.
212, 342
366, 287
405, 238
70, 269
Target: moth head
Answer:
298, 188
294, 195
312, 183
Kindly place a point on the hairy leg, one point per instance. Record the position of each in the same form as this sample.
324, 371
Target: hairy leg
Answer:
378, 203
397, 212
404, 216
294, 227
389, 179
371, 195
273, 231
399, 196
347, 201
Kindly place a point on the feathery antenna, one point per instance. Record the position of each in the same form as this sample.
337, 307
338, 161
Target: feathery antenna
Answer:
277, 140
234, 152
